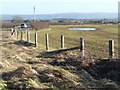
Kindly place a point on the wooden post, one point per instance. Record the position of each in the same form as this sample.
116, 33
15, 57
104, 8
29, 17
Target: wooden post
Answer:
82, 46
17, 33
47, 41
62, 41
36, 43
111, 49
28, 36
21, 36
14, 32
11, 31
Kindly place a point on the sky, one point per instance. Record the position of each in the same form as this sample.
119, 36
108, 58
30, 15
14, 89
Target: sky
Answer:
57, 6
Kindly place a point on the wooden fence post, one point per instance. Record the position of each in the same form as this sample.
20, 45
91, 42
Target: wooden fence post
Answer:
82, 47
21, 36
62, 41
28, 36
111, 49
11, 31
47, 41
36, 43
17, 33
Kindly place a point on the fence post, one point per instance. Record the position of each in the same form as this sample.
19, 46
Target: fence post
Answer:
62, 41
21, 36
36, 43
11, 31
82, 47
28, 36
17, 33
47, 41
111, 49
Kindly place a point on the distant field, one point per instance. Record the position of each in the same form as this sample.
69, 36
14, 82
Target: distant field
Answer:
96, 42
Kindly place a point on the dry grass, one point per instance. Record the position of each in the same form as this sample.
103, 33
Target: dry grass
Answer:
29, 67
96, 42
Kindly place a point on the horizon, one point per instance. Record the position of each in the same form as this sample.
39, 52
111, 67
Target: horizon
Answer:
64, 16
68, 13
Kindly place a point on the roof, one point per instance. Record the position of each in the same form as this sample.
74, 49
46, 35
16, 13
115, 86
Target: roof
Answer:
23, 25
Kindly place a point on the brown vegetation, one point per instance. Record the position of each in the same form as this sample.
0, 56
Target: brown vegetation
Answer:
39, 25
30, 68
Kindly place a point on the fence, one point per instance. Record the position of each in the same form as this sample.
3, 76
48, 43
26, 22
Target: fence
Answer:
81, 47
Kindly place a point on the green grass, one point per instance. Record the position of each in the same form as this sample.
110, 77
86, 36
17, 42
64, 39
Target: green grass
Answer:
96, 42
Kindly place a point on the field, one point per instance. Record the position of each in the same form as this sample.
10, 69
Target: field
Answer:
96, 42
25, 67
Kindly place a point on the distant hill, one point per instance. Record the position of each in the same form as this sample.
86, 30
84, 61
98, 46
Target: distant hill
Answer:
67, 16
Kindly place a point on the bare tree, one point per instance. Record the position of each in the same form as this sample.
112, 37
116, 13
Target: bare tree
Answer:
39, 25
17, 19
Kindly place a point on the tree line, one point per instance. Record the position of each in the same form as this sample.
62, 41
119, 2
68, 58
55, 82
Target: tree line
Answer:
41, 24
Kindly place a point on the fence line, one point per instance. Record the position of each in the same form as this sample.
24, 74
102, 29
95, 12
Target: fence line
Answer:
81, 47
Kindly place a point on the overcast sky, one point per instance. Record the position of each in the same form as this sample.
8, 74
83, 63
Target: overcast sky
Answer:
57, 6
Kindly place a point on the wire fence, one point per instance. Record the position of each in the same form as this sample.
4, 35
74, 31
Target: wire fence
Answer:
100, 48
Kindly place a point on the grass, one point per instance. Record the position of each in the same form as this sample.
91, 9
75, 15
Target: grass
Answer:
30, 67
96, 42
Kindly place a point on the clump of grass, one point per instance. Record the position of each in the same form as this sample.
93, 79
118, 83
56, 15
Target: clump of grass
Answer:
2, 85
59, 77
